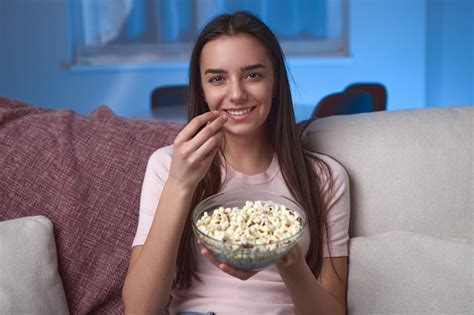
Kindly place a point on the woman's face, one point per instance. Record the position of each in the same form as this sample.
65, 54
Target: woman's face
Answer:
237, 78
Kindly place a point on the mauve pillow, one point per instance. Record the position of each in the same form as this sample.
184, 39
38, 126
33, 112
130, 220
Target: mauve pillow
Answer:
85, 174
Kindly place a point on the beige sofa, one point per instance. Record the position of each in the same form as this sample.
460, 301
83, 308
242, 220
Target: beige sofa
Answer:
411, 246
70, 189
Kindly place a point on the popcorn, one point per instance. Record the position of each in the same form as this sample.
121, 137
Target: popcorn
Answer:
256, 223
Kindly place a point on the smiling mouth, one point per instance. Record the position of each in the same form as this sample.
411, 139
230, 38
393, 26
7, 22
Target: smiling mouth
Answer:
239, 112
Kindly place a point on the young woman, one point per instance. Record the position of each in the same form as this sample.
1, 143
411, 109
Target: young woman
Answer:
241, 134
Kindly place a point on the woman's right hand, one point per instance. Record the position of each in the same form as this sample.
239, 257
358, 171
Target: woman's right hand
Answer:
194, 149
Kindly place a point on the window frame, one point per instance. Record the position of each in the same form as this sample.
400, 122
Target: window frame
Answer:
179, 53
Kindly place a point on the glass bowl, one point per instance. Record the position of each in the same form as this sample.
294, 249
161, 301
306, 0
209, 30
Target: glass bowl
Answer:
243, 255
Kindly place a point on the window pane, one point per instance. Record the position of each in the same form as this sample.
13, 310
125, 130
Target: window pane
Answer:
148, 31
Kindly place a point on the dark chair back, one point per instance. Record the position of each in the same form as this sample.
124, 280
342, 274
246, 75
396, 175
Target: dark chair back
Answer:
344, 103
377, 90
169, 102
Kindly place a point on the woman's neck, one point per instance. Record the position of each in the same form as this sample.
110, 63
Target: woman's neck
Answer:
249, 155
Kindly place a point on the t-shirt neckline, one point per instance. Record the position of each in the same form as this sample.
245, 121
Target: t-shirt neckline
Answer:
254, 179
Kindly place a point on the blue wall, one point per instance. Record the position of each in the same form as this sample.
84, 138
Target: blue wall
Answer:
450, 52
400, 43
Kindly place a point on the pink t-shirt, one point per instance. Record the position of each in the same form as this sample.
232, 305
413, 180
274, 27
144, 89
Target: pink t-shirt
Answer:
264, 293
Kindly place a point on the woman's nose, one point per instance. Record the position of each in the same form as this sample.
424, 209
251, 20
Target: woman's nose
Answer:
237, 92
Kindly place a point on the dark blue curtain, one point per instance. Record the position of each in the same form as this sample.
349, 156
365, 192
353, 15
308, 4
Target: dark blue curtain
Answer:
169, 21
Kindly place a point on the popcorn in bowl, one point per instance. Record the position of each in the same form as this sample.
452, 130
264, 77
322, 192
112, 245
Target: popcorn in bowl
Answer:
250, 234
257, 223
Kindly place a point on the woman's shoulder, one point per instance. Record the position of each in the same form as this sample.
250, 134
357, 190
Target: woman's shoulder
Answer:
334, 183
161, 157
335, 167
163, 152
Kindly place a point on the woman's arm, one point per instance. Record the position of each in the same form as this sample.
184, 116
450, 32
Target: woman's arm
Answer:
150, 276
325, 295
152, 266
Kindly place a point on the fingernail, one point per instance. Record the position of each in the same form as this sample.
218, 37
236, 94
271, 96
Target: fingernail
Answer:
215, 112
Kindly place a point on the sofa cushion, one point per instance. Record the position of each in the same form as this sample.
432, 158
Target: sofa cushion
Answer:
29, 278
409, 170
408, 273
84, 173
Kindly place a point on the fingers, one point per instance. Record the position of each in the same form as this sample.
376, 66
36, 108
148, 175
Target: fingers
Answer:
207, 133
210, 146
192, 128
201, 138
210, 257
195, 147
286, 261
291, 258
237, 273
225, 267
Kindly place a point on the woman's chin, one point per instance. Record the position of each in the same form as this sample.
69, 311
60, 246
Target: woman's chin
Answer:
242, 130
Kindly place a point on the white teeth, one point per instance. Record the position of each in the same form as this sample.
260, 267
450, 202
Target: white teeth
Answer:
239, 112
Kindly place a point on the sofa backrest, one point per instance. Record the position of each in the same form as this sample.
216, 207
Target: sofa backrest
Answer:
84, 173
409, 170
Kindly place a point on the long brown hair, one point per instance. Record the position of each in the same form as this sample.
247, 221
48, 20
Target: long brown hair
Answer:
296, 165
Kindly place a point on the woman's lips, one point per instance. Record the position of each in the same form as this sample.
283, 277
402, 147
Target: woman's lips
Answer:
240, 114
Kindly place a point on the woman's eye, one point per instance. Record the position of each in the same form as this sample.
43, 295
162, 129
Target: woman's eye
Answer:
254, 75
216, 79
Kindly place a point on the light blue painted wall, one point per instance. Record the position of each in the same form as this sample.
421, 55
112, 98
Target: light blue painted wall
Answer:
450, 52
387, 40
386, 45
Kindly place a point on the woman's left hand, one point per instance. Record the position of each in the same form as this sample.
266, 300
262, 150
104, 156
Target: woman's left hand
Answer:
292, 259
294, 256
224, 266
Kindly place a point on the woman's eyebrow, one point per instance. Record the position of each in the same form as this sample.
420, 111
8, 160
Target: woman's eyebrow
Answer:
215, 71
246, 68
253, 67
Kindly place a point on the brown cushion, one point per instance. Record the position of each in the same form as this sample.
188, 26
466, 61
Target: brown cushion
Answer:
85, 174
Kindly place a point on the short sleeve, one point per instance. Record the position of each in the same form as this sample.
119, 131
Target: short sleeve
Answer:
156, 174
336, 196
